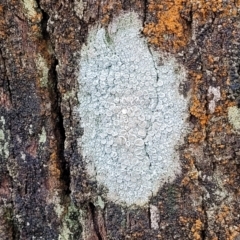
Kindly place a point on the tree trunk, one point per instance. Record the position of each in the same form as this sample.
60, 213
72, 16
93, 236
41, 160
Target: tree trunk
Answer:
119, 119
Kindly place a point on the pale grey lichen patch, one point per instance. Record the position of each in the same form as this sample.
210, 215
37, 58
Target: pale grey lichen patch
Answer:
59, 209
4, 139
79, 8
234, 117
155, 217
69, 95
23, 156
131, 111
43, 136
30, 7
216, 96
30, 130
99, 202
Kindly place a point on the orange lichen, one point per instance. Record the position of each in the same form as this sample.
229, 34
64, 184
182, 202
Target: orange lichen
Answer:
233, 234
193, 175
183, 220
198, 110
196, 229
202, 9
137, 235
108, 9
222, 215
37, 18
36, 29
224, 218
199, 104
169, 30
185, 181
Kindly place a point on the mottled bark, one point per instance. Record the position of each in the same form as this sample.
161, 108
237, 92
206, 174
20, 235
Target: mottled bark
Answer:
46, 191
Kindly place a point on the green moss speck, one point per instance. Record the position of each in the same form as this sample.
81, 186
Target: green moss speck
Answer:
71, 228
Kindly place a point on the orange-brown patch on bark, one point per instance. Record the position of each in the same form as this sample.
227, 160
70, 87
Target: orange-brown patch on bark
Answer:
32, 149
204, 9
224, 218
4, 189
4, 99
2, 23
192, 174
53, 181
168, 30
196, 229
197, 110
108, 9
54, 171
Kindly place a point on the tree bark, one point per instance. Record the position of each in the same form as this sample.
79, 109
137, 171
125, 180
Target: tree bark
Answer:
46, 188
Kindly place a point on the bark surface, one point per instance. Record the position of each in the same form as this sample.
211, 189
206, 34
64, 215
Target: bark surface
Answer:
45, 190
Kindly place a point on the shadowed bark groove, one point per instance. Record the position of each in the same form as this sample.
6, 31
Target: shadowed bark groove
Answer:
95, 220
56, 106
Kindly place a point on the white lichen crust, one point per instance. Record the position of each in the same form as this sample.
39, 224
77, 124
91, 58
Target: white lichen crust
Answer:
234, 117
131, 111
4, 140
30, 7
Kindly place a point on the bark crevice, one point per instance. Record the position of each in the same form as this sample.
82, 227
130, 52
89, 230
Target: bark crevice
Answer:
95, 220
145, 11
6, 76
56, 100
205, 222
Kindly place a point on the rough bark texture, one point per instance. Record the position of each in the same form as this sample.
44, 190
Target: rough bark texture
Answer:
45, 191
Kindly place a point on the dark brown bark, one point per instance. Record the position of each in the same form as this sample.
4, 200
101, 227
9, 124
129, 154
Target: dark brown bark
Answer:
45, 191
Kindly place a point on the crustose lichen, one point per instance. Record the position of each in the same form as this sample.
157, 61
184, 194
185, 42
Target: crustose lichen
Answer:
131, 112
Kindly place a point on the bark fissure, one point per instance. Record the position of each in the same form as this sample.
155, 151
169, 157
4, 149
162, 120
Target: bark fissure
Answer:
6, 76
95, 220
11, 221
60, 133
56, 107
145, 11
205, 223
149, 217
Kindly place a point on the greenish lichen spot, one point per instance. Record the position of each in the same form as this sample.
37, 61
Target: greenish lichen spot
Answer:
43, 136
4, 139
234, 117
2, 120
42, 71
70, 225
1, 134
69, 95
58, 208
99, 202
